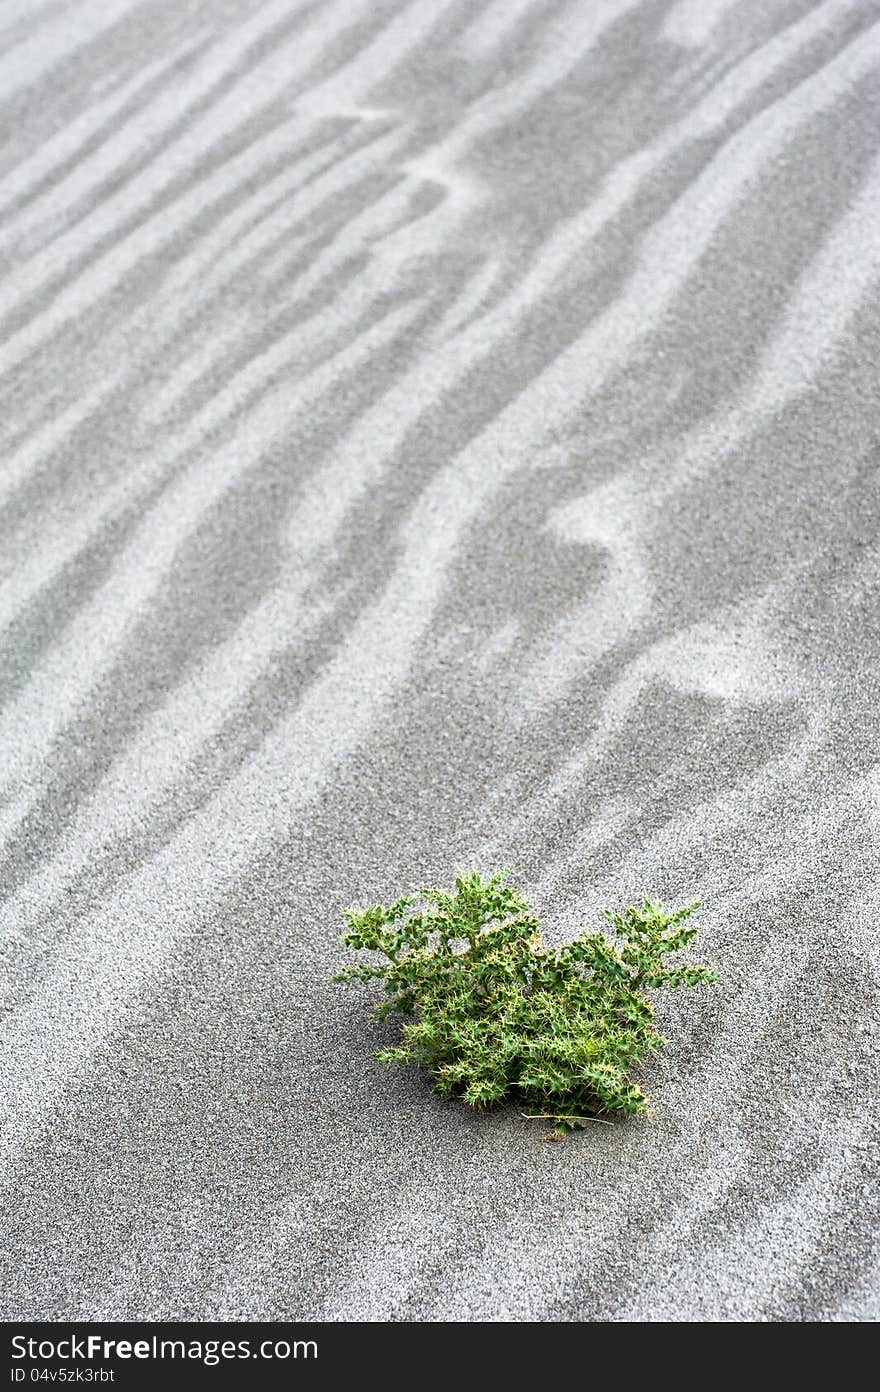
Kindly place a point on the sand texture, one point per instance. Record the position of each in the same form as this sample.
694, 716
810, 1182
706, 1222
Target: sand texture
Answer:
436, 432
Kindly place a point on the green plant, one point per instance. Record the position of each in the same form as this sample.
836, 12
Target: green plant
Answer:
497, 1013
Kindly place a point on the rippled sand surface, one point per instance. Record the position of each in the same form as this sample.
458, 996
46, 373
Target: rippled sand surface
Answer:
435, 433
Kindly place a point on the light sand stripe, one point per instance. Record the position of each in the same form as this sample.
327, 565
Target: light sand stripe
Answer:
64, 145
251, 93
35, 57
92, 641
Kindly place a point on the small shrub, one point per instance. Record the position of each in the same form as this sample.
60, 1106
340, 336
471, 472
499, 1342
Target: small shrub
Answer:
498, 1014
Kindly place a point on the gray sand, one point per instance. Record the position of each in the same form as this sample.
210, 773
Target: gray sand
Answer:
435, 433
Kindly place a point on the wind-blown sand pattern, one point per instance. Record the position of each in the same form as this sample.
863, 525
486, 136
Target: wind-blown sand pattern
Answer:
436, 433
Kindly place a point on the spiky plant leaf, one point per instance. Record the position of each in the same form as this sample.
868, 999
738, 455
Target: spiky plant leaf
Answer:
497, 1014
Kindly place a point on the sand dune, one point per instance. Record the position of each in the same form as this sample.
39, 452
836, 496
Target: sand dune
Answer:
435, 434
